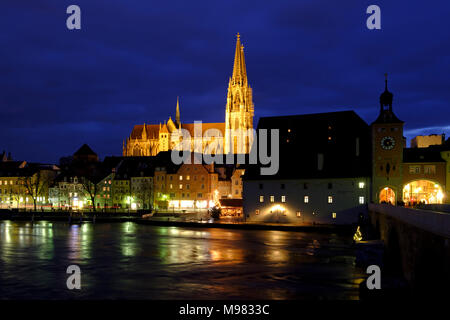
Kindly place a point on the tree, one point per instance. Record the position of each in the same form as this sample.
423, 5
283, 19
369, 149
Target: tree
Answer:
35, 182
90, 185
215, 212
18, 193
145, 193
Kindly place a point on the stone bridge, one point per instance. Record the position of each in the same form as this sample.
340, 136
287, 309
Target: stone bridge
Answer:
417, 244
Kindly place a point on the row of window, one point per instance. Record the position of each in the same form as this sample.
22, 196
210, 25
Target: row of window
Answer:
10, 182
306, 199
361, 185
158, 178
21, 199
298, 214
427, 169
272, 198
384, 129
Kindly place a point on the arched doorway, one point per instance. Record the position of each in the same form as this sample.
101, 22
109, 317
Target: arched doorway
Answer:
387, 195
422, 191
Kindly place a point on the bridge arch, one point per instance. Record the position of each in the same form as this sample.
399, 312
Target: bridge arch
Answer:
427, 191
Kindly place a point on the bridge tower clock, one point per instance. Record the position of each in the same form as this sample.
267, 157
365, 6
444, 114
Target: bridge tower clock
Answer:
387, 152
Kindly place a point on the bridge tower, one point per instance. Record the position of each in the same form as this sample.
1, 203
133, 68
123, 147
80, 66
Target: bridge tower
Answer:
387, 152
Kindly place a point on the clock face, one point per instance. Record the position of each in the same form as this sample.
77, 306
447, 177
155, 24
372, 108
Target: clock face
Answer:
387, 143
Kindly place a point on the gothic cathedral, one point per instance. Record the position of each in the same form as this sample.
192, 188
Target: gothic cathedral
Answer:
233, 136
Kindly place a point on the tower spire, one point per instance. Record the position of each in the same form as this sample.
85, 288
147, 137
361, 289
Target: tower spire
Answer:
177, 115
239, 64
239, 109
386, 97
243, 67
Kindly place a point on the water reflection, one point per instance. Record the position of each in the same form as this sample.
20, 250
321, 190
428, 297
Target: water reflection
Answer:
148, 262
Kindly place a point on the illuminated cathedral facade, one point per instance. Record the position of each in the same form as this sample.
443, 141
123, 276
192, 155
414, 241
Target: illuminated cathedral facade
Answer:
235, 135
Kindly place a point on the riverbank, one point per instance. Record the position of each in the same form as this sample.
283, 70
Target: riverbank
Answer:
170, 222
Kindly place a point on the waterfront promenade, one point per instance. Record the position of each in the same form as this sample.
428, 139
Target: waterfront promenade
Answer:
166, 219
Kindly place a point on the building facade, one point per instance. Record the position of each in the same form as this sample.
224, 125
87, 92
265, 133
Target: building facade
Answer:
324, 171
333, 164
406, 176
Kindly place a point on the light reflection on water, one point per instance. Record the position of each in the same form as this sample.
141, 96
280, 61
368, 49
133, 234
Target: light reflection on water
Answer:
132, 261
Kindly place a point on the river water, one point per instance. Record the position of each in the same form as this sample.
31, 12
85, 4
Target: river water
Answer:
133, 261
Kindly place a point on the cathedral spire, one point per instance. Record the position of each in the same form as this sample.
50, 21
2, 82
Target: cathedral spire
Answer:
239, 70
239, 109
177, 116
243, 68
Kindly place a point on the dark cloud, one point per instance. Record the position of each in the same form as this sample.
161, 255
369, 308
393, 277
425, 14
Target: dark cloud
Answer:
60, 89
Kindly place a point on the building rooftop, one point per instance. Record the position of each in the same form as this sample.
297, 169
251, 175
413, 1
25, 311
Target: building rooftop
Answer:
321, 145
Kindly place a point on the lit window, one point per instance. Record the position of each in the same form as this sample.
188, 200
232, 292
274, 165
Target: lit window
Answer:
256, 212
414, 169
330, 199
181, 186
261, 198
283, 198
361, 185
333, 215
306, 199
181, 178
361, 200
429, 169
272, 199
299, 214
171, 186
188, 177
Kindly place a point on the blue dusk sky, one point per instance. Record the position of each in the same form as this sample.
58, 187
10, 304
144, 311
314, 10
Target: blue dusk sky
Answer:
131, 59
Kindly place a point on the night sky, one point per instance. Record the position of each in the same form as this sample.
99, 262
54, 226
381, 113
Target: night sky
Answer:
131, 59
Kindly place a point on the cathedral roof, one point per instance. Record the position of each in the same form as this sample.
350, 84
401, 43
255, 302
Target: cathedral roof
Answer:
205, 126
152, 131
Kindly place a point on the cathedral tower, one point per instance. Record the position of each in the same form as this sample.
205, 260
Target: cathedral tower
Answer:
387, 152
239, 109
